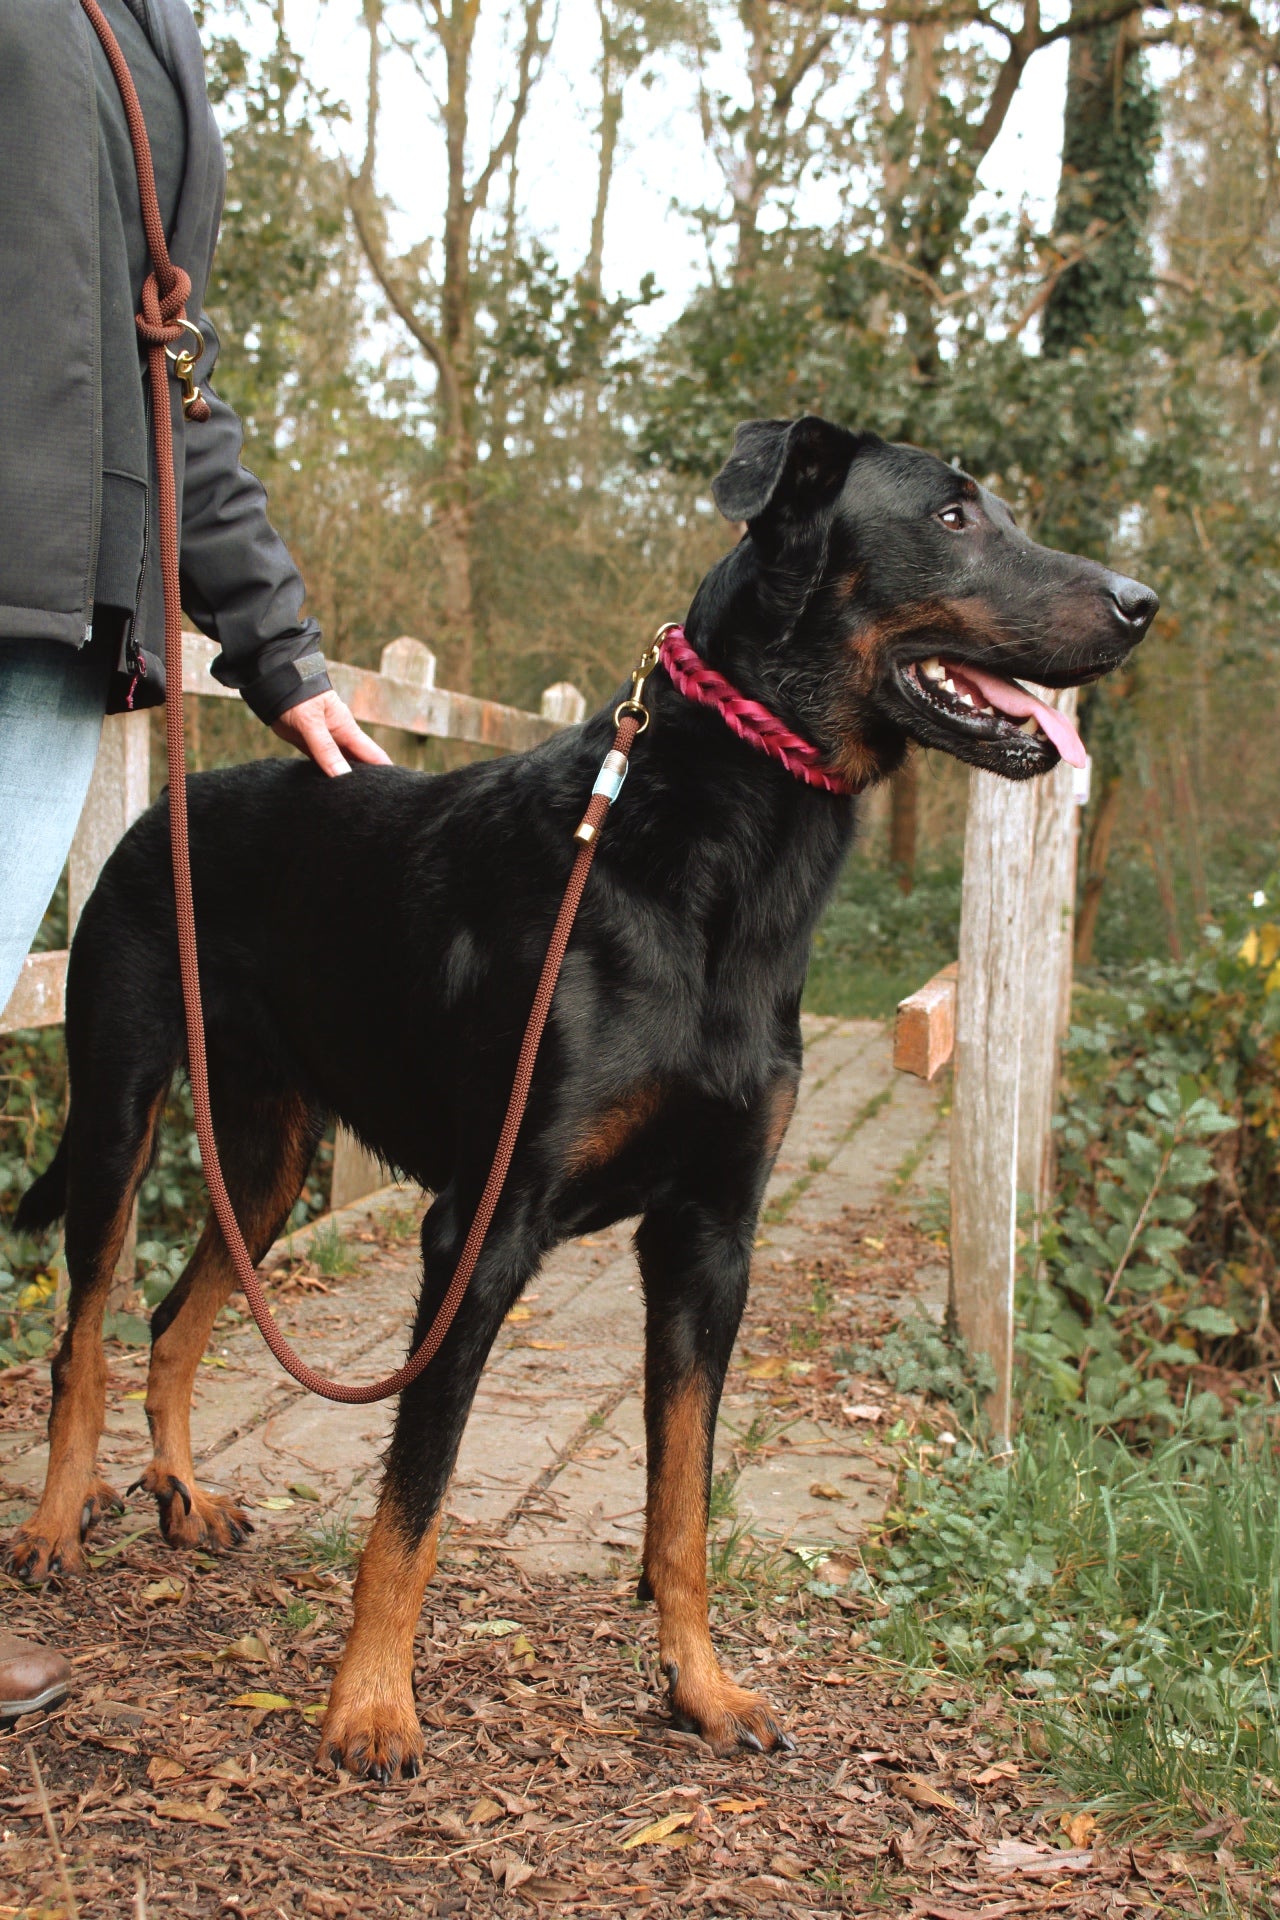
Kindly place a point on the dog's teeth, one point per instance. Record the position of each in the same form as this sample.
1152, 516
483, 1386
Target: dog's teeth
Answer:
966, 699
933, 669
1029, 725
948, 685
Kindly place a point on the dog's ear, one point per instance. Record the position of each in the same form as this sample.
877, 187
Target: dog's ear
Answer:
781, 465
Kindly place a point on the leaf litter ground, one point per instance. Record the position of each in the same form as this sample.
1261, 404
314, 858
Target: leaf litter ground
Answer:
178, 1778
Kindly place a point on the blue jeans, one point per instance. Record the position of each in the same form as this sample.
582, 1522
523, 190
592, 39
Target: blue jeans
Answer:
52, 700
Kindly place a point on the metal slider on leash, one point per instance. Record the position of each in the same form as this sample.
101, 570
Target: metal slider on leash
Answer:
631, 717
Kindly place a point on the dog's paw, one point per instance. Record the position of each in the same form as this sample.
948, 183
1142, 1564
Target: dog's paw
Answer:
189, 1517
101, 1498
375, 1739
728, 1717
37, 1552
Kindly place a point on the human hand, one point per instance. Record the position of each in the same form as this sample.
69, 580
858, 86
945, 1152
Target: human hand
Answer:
325, 728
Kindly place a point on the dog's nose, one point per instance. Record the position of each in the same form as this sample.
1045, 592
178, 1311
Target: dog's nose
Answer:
1135, 604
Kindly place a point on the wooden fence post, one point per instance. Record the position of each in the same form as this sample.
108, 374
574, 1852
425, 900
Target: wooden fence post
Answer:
984, 1118
1046, 1003
119, 791
563, 702
1014, 985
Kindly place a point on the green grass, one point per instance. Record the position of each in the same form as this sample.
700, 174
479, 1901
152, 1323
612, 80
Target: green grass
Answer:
877, 944
335, 1541
329, 1252
1130, 1602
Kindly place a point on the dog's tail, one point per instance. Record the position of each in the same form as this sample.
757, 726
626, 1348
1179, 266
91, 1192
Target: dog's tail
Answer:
45, 1200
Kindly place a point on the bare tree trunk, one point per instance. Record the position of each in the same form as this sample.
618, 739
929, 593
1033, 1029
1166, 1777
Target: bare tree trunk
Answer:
904, 815
612, 78
450, 344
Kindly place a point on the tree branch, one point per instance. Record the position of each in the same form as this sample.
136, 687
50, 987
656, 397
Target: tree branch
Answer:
505, 146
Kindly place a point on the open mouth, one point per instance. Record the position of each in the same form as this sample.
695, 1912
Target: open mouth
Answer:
985, 707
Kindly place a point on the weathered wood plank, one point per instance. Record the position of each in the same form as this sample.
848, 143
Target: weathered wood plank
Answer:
1046, 1001
378, 700
39, 996
984, 1121
1011, 1008
118, 792
925, 1030
356, 1171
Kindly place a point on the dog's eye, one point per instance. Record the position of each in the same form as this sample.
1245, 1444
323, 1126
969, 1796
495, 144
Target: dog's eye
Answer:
952, 518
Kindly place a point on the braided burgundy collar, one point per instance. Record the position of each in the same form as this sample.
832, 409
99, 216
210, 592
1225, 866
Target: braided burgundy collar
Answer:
692, 677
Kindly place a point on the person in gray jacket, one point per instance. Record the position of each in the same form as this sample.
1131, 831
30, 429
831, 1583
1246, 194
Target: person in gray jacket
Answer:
81, 607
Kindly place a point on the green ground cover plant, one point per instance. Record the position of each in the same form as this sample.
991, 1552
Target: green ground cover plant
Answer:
1118, 1572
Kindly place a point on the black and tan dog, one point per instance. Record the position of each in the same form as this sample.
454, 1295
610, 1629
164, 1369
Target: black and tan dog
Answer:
369, 948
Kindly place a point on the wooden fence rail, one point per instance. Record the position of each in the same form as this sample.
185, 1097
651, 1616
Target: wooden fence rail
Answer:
402, 694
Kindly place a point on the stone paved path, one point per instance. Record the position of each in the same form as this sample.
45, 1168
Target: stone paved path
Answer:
552, 1465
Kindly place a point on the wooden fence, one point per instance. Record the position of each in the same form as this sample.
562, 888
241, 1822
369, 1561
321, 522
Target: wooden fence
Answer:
402, 694
1000, 1015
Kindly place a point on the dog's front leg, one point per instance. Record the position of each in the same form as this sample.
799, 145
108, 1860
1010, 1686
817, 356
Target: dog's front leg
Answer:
695, 1267
371, 1726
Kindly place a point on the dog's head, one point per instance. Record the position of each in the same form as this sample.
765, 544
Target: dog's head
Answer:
881, 596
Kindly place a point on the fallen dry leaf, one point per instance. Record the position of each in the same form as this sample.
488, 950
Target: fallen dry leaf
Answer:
159, 1593
1079, 1828
161, 1768
915, 1788
264, 1702
249, 1649
193, 1812
823, 1490
1002, 1770
1017, 1856
863, 1411
483, 1812
652, 1835
774, 1366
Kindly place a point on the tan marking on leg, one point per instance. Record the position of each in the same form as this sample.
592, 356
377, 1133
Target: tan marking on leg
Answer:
371, 1726
188, 1516
74, 1496
782, 1104
675, 1565
610, 1131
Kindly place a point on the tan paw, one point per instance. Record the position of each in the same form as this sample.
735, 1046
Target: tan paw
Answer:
49, 1543
189, 1517
39, 1551
727, 1717
375, 1739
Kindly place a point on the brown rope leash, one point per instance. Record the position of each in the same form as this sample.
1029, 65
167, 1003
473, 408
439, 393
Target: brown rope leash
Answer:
161, 324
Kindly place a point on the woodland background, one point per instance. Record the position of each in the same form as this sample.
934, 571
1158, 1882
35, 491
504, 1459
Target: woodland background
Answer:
469, 439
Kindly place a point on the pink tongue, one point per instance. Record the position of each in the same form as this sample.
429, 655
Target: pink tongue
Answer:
1014, 701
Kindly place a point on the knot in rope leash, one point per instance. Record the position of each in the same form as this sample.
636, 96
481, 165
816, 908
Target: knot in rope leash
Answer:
752, 722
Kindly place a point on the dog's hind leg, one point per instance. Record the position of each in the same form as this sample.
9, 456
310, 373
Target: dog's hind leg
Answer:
371, 1726
265, 1144
694, 1260
109, 1142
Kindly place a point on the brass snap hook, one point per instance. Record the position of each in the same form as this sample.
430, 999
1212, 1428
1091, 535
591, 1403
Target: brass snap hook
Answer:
183, 361
644, 666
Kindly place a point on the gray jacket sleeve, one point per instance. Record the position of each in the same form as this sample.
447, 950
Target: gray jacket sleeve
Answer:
239, 582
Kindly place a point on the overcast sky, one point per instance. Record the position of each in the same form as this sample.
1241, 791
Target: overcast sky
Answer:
663, 158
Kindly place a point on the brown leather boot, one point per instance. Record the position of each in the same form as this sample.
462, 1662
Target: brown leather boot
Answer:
31, 1676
